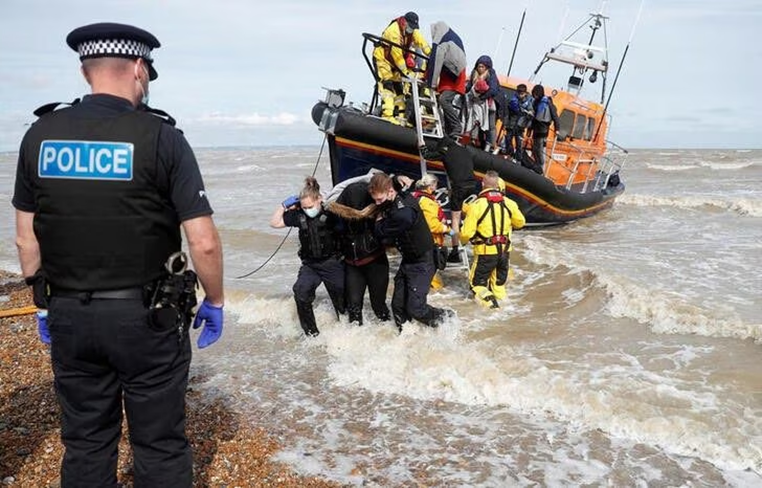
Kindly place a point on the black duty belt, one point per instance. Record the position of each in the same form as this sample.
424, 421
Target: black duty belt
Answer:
135, 293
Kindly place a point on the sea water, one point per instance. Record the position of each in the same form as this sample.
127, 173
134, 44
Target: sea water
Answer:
627, 352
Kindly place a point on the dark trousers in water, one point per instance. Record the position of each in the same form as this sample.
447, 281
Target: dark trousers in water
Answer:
329, 272
105, 355
375, 277
411, 288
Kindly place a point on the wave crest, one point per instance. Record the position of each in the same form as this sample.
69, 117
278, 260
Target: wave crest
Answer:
742, 206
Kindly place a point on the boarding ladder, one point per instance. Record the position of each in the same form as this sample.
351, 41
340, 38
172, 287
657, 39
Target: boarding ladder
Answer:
428, 118
428, 123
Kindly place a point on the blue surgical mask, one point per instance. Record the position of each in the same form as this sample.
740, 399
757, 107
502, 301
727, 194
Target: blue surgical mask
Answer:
312, 212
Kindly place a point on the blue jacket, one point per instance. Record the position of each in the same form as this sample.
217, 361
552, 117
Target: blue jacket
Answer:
492, 80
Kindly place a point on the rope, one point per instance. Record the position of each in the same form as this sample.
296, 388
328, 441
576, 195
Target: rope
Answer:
314, 171
14, 312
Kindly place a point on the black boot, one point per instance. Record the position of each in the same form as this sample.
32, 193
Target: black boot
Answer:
307, 318
454, 256
355, 315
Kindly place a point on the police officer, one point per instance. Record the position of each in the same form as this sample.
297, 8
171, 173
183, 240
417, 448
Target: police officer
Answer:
318, 249
402, 220
488, 225
102, 189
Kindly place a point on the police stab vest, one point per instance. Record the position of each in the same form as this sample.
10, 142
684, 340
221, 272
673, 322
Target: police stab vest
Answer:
316, 238
415, 243
101, 221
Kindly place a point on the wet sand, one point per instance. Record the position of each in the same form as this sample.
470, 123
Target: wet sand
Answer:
227, 449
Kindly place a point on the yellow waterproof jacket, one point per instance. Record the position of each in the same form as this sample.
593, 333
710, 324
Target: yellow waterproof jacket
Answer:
389, 57
478, 225
434, 215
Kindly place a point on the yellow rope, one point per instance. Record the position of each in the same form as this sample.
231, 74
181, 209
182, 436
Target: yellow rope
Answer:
18, 311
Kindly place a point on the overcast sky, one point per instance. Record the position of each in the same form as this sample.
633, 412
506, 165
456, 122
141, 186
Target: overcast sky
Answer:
247, 72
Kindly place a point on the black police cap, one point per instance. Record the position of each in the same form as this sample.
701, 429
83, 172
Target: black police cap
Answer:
108, 39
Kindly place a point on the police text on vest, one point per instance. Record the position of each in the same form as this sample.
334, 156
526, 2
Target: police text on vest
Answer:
86, 160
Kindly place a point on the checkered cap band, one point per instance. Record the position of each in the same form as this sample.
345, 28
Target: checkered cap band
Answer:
126, 48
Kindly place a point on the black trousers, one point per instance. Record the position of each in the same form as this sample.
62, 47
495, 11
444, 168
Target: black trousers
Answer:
330, 272
375, 277
453, 126
106, 355
411, 288
486, 264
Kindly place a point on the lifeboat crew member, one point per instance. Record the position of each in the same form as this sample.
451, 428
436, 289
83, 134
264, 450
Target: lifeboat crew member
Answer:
318, 250
393, 64
435, 217
488, 226
365, 262
402, 221
102, 189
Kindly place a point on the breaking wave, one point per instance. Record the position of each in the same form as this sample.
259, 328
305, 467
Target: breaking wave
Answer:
742, 206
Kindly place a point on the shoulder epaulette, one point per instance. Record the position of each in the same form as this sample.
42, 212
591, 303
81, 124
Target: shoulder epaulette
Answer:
159, 113
49, 107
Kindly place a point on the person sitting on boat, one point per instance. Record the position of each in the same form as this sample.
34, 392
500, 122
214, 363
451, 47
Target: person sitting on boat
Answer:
488, 226
318, 250
446, 74
520, 115
482, 88
544, 113
365, 262
435, 217
393, 63
402, 221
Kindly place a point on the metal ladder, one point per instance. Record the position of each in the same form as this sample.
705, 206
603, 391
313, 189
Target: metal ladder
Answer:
427, 124
434, 128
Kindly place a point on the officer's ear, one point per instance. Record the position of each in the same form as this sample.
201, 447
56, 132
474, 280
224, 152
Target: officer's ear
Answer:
85, 74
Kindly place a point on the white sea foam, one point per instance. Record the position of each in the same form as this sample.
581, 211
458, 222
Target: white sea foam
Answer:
249, 168
613, 391
671, 167
741, 206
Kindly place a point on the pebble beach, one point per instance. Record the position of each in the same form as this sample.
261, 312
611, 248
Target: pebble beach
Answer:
228, 449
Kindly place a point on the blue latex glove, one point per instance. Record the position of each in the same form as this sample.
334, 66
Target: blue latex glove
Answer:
291, 201
42, 326
211, 318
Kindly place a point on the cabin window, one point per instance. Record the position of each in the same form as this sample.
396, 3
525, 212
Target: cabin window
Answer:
590, 130
567, 122
579, 126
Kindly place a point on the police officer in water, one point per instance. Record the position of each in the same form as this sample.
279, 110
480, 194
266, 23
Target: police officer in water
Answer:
401, 220
318, 250
102, 189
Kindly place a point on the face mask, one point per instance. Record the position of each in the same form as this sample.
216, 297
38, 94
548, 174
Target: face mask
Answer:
143, 89
408, 30
312, 212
